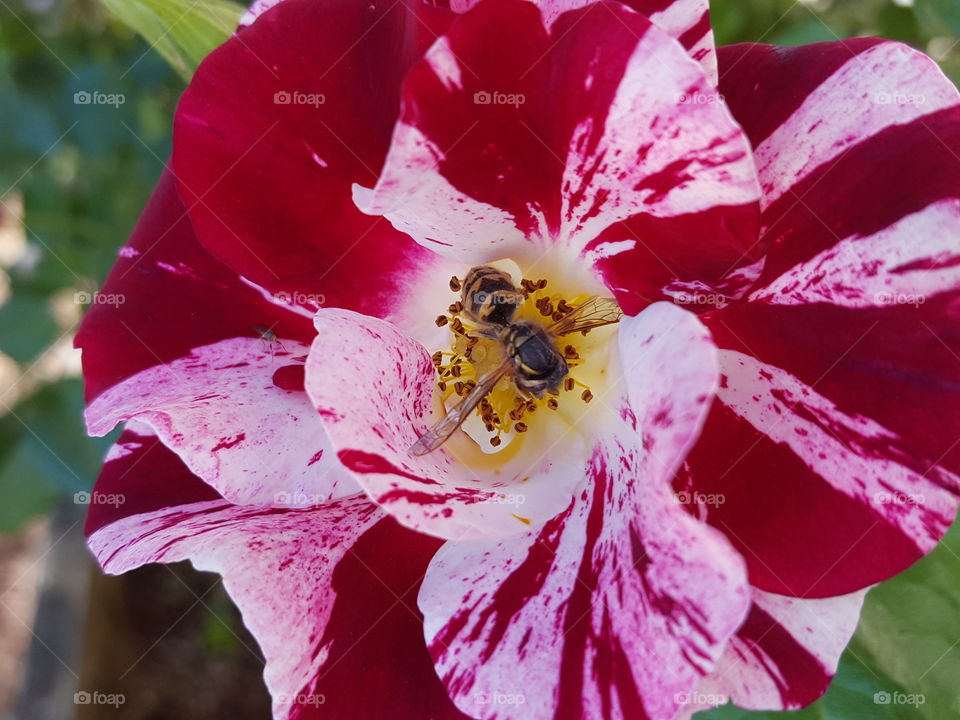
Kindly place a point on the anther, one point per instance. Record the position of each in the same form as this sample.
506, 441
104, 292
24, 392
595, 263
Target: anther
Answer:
552, 403
455, 283
520, 427
586, 396
442, 320
495, 441
456, 308
568, 384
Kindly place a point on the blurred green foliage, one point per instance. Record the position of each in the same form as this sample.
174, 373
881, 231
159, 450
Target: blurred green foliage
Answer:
85, 170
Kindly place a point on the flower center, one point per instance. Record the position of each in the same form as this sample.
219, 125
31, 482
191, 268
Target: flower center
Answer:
527, 344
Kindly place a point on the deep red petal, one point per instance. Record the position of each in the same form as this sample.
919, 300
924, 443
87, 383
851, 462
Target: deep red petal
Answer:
277, 124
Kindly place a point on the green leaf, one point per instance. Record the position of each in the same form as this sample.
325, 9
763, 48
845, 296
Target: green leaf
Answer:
45, 453
182, 31
25, 488
940, 17
27, 327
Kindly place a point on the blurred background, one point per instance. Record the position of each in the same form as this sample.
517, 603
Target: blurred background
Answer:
75, 172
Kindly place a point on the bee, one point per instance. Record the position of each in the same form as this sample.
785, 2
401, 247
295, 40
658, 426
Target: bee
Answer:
490, 299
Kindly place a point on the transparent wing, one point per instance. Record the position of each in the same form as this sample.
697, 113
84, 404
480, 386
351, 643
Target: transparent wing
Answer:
593, 312
441, 431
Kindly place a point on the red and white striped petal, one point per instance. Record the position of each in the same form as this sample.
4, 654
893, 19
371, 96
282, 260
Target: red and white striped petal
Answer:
373, 387
834, 439
888, 83
237, 415
515, 140
179, 350
685, 20
616, 607
784, 655
914, 258
328, 593
168, 296
276, 125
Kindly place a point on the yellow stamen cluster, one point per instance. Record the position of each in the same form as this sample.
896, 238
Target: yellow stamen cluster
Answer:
506, 408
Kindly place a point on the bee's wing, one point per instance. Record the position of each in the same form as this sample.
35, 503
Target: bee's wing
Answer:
441, 431
593, 312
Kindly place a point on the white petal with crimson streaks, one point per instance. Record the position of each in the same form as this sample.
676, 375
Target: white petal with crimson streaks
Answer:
786, 653
623, 600
685, 20
238, 542
888, 84
220, 410
690, 157
905, 263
